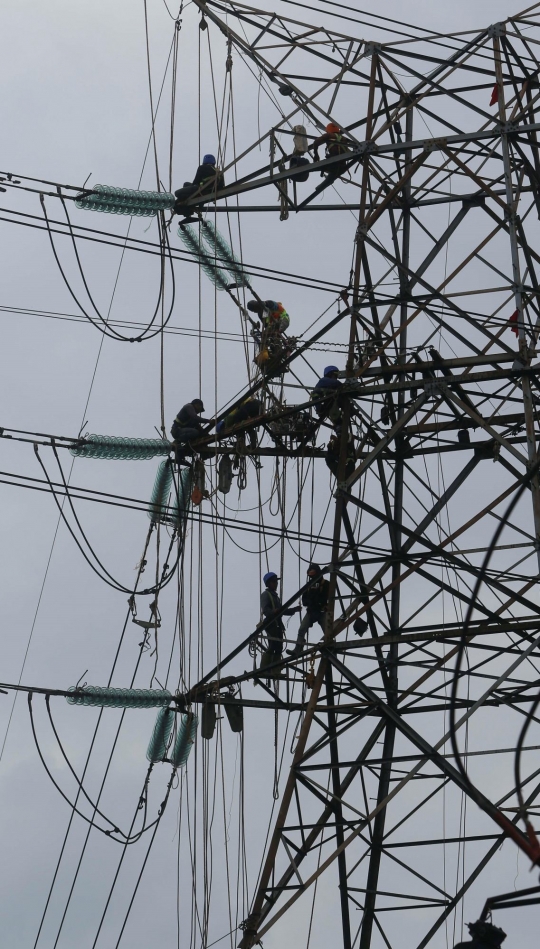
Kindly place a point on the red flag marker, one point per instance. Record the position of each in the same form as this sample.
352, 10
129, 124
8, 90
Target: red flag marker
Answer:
513, 322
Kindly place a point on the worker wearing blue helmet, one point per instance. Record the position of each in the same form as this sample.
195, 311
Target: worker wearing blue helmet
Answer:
270, 605
328, 384
208, 179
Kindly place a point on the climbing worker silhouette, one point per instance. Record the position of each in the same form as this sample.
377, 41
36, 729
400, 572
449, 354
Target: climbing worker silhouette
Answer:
270, 605
327, 383
325, 386
208, 176
273, 315
315, 600
248, 409
333, 451
336, 144
187, 425
484, 935
208, 179
272, 344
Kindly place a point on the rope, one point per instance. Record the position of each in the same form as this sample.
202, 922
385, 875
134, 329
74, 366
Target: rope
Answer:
152, 113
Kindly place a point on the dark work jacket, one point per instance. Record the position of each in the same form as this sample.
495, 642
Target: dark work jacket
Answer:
206, 177
327, 383
325, 386
188, 418
270, 602
315, 599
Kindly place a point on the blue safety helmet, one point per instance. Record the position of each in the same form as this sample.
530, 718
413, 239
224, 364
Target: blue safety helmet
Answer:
270, 576
330, 369
209, 160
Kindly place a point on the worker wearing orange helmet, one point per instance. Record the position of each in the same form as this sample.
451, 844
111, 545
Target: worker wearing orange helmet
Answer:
335, 141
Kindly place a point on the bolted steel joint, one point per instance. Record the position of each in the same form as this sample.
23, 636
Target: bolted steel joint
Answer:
496, 29
371, 48
434, 144
507, 128
434, 387
511, 217
365, 148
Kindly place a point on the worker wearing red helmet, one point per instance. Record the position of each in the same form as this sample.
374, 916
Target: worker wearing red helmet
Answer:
335, 141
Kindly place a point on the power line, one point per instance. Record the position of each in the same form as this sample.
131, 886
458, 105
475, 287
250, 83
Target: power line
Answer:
134, 504
190, 332
149, 247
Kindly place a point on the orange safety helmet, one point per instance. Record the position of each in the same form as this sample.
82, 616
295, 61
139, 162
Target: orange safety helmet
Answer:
332, 128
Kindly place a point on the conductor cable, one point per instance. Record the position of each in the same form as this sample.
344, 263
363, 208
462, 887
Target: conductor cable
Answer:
106, 329
108, 833
530, 845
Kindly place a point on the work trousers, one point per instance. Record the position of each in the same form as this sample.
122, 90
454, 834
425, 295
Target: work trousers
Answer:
311, 617
272, 653
186, 434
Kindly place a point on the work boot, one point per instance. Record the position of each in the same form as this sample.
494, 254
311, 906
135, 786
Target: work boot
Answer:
296, 650
179, 453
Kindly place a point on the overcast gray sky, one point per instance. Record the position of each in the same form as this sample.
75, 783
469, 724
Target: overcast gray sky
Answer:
75, 104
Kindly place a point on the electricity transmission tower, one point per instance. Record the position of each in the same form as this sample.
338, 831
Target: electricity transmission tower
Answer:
438, 431
431, 638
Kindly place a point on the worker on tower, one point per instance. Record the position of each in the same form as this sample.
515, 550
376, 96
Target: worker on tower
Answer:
315, 600
208, 176
336, 144
188, 425
484, 935
248, 409
333, 452
328, 384
208, 179
273, 315
272, 342
270, 605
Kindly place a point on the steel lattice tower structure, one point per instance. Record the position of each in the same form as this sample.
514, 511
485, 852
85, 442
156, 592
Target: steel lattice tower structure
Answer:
432, 161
